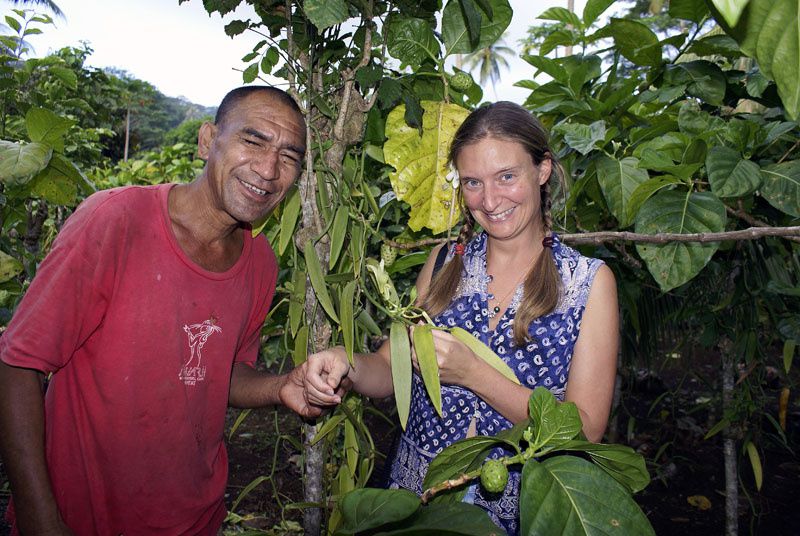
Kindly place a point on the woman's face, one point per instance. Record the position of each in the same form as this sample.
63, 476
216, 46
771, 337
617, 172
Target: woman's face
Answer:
501, 187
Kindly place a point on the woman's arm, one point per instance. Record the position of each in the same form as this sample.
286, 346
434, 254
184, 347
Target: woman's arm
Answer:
594, 360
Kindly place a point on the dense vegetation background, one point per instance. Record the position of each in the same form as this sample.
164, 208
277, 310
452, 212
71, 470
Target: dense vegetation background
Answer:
676, 122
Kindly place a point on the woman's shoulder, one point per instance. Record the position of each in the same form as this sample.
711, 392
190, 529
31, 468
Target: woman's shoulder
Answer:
577, 273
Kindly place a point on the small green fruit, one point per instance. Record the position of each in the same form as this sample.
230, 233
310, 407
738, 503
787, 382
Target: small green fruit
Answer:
461, 81
494, 476
388, 254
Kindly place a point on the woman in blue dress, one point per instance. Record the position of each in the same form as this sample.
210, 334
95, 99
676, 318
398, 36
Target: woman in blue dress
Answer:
549, 312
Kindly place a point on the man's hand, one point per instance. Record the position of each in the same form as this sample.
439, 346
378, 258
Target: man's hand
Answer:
326, 377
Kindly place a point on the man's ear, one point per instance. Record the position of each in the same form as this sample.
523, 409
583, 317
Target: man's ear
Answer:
205, 138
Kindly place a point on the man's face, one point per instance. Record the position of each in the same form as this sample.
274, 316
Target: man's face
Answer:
253, 157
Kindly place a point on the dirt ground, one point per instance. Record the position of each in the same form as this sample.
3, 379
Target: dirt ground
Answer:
663, 415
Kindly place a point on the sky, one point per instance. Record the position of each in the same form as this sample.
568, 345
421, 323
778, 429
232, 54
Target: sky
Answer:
183, 51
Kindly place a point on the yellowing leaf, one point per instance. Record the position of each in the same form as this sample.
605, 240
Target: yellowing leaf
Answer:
699, 501
420, 163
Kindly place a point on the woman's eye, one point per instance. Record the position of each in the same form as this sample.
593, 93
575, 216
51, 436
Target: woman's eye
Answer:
470, 183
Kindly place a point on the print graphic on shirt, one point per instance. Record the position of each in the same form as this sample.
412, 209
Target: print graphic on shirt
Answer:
193, 371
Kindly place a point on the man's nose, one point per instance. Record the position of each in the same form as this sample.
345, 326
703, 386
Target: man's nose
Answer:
266, 164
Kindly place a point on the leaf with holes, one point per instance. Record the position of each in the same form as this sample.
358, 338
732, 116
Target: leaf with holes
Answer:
781, 186
420, 163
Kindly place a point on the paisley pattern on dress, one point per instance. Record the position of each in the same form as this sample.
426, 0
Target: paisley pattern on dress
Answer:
543, 361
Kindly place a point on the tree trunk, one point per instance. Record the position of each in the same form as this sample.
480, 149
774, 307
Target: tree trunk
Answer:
571, 8
729, 442
127, 133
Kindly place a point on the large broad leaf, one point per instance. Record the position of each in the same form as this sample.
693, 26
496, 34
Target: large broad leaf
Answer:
9, 267
769, 31
675, 263
593, 9
633, 39
20, 161
58, 182
623, 463
420, 163
458, 458
46, 127
553, 423
564, 15
618, 179
688, 10
729, 174
702, 79
580, 137
569, 495
366, 508
455, 33
325, 13
448, 519
411, 40
781, 186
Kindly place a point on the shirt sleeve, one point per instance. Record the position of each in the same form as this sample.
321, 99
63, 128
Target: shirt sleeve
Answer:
69, 294
263, 285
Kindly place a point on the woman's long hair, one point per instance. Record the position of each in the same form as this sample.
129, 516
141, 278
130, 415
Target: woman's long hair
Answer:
509, 122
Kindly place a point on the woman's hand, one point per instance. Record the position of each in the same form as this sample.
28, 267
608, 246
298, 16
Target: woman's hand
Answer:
326, 377
458, 365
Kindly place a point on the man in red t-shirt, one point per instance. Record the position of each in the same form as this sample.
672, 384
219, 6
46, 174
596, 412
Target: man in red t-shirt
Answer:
147, 312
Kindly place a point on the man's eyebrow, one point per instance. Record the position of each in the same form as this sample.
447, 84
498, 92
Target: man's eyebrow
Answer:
268, 137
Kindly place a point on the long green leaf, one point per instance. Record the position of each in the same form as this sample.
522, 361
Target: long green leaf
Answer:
428, 365
300, 353
450, 519
570, 495
755, 463
318, 280
458, 458
297, 300
623, 463
291, 211
338, 233
346, 314
484, 352
328, 427
401, 370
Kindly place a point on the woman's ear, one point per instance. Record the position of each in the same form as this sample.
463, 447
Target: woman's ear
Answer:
205, 137
545, 170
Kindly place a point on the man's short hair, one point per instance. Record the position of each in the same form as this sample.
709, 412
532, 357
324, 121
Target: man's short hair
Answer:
234, 96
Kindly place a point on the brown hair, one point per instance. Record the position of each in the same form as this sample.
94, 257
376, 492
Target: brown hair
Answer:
511, 122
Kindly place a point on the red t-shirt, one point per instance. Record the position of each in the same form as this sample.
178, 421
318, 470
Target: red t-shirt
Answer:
141, 341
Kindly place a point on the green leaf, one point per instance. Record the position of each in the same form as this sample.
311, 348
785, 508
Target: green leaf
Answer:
645, 191
458, 458
789, 347
250, 73
448, 519
781, 186
326, 13
484, 352
346, 314
703, 80
58, 182
420, 163
472, 18
548, 66
553, 423
730, 10
364, 509
291, 211
456, 35
593, 9
580, 137
729, 174
13, 23
317, 278
618, 179
722, 45
755, 463
401, 370
236, 27
338, 233
46, 127
366, 322
623, 463
569, 495
20, 161
411, 41
634, 40
428, 364
297, 299
688, 10
769, 31
679, 212
300, 353
328, 427
564, 15
9, 267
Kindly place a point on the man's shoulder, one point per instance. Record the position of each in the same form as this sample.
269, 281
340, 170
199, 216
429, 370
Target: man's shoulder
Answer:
125, 197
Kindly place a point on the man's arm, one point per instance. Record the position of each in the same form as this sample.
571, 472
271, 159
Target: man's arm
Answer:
22, 449
253, 389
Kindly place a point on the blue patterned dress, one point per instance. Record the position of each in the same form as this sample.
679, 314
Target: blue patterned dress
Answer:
543, 361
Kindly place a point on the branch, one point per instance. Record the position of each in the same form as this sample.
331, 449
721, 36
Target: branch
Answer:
753, 233
741, 214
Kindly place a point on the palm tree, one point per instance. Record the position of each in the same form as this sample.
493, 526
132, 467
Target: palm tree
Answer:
489, 61
48, 4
